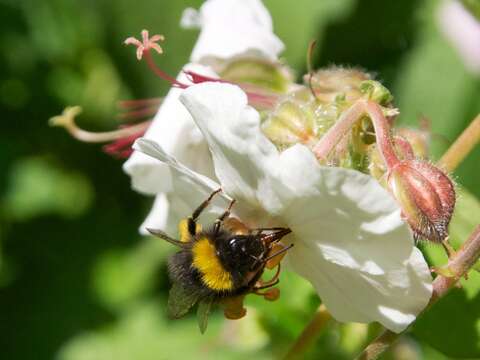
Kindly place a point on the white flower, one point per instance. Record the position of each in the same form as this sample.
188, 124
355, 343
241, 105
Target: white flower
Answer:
229, 28
462, 30
350, 241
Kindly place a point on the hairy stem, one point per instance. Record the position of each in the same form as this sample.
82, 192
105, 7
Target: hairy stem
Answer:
462, 146
349, 117
309, 333
458, 265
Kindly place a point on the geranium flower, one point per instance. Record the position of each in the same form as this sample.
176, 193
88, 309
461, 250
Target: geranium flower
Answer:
350, 241
230, 29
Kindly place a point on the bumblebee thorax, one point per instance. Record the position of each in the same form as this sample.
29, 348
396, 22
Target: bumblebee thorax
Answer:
224, 259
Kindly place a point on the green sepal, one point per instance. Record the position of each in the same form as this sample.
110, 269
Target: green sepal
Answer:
265, 74
376, 92
473, 6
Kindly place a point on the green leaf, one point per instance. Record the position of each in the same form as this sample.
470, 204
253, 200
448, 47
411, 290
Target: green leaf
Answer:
180, 301
473, 6
452, 325
120, 277
38, 187
203, 312
142, 333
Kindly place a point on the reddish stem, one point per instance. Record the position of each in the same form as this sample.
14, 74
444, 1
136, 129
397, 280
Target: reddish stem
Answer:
405, 147
349, 117
138, 114
140, 103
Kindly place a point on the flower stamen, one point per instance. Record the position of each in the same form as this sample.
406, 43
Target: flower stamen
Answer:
67, 121
143, 50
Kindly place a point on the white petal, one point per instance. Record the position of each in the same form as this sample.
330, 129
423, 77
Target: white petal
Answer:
158, 216
242, 155
189, 188
174, 129
232, 27
462, 29
155, 151
351, 243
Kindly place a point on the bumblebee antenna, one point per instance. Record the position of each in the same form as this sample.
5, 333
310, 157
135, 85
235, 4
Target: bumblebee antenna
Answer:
160, 234
286, 248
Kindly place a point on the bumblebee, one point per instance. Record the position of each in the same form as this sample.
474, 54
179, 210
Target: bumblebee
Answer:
221, 264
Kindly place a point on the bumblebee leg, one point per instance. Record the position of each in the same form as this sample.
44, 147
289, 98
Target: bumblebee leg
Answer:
219, 221
188, 227
273, 281
203, 205
265, 286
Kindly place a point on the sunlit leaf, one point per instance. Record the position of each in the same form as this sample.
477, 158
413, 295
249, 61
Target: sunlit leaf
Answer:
121, 277
473, 6
38, 187
142, 333
452, 325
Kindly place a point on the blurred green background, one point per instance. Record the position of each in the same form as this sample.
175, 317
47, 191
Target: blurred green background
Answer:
77, 281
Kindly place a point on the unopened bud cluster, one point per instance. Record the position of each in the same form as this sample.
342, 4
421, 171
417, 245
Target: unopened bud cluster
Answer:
396, 158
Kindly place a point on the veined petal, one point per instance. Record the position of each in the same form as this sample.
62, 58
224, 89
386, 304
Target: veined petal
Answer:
242, 155
174, 129
189, 188
155, 151
230, 28
158, 216
351, 243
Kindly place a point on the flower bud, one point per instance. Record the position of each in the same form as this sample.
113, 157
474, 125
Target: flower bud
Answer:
376, 92
330, 83
291, 122
426, 196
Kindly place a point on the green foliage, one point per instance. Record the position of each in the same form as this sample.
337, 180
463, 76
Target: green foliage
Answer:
38, 187
143, 333
120, 277
473, 6
452, 325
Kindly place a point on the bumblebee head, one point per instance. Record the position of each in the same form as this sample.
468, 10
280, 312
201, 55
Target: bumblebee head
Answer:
241, 253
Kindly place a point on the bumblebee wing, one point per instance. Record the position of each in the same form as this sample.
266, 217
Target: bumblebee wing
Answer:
203, 312
180, 301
